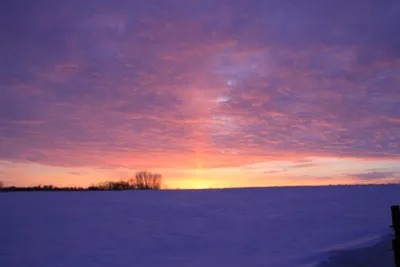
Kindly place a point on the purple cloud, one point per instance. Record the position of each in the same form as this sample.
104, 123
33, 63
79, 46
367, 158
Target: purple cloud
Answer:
376, 175
170, 84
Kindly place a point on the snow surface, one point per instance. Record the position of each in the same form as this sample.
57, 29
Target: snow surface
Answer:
269, 227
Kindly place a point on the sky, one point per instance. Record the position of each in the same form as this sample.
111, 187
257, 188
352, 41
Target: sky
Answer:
209, 93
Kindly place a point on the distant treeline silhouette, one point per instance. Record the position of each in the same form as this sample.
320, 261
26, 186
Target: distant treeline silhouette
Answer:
142, 180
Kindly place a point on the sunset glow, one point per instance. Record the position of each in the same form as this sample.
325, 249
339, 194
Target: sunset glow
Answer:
211, 94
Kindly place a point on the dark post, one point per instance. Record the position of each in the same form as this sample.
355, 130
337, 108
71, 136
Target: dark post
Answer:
396, 228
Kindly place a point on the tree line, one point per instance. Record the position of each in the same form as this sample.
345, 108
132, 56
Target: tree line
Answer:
142, 180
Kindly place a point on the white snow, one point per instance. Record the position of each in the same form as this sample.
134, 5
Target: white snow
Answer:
269, 227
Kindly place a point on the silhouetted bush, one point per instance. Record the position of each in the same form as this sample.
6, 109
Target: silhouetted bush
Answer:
110, 185
93, 188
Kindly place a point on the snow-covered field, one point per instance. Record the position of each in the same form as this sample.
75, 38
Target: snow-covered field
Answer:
269, 227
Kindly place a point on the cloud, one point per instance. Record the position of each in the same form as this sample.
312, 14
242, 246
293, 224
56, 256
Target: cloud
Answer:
275, 171
115, 85
300, 164
376, 175
305, 165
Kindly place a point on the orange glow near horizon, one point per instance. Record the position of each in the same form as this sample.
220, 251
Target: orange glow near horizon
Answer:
191, 184
312, 171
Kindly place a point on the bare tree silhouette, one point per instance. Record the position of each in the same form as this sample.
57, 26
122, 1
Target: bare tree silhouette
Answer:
1, 184
146, 180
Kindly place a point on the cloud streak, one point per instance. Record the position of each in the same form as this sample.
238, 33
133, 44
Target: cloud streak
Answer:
376, 175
